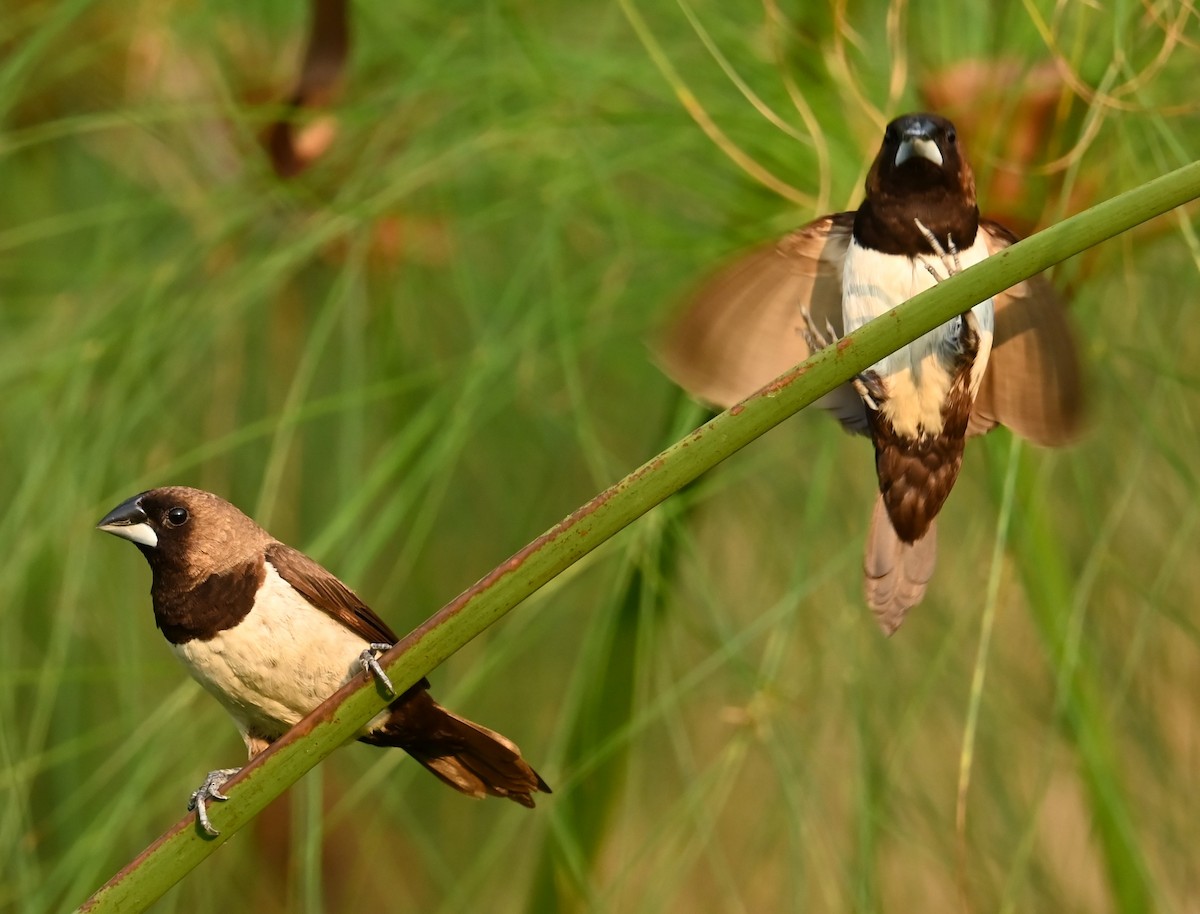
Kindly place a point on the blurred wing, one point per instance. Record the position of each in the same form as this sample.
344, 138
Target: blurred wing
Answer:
1033, 382
745, 326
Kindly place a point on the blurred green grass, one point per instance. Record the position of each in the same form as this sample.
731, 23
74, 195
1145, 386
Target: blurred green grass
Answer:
431, 346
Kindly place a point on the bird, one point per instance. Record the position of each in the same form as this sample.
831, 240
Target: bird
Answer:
271, 634
1009, 360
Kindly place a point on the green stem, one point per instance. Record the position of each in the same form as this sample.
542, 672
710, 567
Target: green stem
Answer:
182, 848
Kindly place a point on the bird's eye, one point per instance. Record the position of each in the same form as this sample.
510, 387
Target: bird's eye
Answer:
891, 135
177, 517
951, 136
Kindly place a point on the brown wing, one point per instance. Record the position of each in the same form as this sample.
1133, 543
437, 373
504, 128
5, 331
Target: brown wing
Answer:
327, 593
745, 326
1033, 383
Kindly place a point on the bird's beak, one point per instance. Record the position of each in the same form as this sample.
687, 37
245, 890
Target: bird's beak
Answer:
128, 521
916, 145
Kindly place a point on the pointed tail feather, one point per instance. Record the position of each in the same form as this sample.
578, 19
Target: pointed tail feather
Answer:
895, 572
468, 757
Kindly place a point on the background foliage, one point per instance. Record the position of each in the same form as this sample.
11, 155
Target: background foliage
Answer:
431, 345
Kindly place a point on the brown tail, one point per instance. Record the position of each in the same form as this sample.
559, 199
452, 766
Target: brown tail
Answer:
470, 758
895, 572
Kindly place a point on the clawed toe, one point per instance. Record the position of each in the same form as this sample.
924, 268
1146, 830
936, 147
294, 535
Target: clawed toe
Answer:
815, 338
370, 663
947, 255
869, 386
210, 790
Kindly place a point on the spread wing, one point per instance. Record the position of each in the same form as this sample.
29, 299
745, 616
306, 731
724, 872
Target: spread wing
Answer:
1033, 383
328, 594
746, 325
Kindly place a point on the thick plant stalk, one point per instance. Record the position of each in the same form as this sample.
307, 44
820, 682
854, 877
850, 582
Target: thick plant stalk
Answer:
183, 847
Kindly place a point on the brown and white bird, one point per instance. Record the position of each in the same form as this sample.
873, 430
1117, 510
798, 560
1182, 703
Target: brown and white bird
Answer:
271, 634
1010, 360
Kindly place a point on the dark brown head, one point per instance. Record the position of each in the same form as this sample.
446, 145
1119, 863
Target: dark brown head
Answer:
206, 558
187, 535
921, 172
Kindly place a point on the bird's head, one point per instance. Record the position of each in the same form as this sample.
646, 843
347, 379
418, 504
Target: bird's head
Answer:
921, 152
185, 531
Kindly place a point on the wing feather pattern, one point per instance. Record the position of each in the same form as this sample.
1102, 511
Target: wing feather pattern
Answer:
1033, 383
324, 591
746, 325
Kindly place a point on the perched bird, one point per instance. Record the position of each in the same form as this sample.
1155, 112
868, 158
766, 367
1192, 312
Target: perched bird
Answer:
271, 634
1008, 360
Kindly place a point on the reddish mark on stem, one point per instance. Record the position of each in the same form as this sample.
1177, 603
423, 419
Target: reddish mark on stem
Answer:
781, 382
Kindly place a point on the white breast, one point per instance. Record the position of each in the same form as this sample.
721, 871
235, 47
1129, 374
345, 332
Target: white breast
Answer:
916, 378
281, 661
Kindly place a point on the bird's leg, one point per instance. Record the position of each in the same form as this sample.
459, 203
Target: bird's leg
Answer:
210, 790
947, 255
370, 664
814, 337
968, 337
867, 384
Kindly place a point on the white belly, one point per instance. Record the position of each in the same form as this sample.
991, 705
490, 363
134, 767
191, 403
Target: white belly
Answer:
275, 666
917, 377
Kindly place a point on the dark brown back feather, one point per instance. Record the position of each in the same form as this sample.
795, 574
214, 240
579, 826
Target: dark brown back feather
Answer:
324, 591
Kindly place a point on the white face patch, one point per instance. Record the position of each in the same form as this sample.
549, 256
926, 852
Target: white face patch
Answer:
135, 533
919, 146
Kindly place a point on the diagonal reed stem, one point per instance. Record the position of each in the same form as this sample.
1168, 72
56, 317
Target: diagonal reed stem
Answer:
148, 876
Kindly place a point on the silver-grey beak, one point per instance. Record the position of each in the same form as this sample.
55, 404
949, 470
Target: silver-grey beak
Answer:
128, 521
921, 146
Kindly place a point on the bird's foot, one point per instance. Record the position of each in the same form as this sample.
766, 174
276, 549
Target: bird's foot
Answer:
968, 334
815, 337
370, 664
210, 790
869, 386
948, 255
